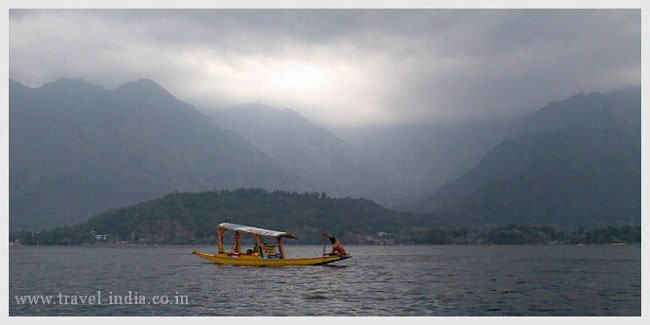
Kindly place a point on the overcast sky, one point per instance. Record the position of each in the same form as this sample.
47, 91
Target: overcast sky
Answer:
341, 67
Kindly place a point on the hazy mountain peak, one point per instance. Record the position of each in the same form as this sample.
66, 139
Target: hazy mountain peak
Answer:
70, 80
72, 84
16, 83
145, 82
578, 109
575, 162
578, 98
94, 150
289, 111
144, 87
253, 108
71, 87
262, 112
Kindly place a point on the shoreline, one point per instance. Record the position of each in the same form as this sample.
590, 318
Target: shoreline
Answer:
11, 245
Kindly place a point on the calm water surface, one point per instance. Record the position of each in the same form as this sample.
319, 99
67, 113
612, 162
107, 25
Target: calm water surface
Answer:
378, 280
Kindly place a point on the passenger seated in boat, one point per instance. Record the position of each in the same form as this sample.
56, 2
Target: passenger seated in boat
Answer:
256, 250
249, 251
337, 248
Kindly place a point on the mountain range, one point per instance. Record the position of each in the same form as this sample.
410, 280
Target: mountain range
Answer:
578, 163
324, 161
77, 149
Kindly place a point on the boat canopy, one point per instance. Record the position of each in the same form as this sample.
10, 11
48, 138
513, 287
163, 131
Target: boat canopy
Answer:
255, 230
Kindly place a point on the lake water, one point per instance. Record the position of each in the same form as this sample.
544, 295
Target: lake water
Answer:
378, 280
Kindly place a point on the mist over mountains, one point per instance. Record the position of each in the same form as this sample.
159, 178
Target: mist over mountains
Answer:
576, 162
396, 165
324, 161
77, 149
419, 158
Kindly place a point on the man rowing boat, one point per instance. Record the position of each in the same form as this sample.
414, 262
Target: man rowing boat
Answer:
337, 248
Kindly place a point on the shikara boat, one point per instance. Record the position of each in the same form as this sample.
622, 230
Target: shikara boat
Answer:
262, 254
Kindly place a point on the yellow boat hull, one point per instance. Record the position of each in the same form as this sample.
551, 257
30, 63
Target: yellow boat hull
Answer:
258, 261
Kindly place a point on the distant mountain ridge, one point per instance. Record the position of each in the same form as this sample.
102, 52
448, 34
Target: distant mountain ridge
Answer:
393, 165
419, 157
577, 163
322, 160
77, 149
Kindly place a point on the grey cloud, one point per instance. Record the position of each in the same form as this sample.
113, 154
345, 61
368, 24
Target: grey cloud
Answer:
377, 66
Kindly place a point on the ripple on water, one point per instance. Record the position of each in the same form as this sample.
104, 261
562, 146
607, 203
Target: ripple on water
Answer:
379, 280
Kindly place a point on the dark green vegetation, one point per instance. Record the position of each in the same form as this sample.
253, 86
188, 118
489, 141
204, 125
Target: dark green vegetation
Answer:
184, 218
518, 235
546, 235
193, 217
